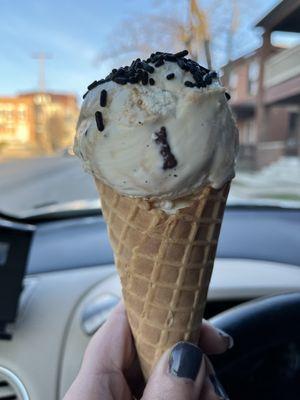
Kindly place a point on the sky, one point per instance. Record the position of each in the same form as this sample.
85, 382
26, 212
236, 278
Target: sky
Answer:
72, 33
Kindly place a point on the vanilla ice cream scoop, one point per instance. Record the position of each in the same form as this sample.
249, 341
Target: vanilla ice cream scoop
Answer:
159, 129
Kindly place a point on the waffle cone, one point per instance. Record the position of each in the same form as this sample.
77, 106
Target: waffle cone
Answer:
165, 263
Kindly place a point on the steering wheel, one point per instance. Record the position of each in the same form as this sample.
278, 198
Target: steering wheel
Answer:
264, 363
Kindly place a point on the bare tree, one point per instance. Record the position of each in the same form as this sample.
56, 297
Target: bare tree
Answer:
141, 35
203, 27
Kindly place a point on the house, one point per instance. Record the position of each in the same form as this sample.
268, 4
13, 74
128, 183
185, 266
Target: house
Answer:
265, 91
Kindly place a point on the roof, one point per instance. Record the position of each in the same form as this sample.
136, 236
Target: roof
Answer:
252, 54
52, 94
64, 98
283, 17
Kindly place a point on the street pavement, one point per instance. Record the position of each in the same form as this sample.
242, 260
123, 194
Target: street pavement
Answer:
38, 182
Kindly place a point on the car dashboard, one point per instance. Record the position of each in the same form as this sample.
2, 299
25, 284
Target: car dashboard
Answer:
71, 286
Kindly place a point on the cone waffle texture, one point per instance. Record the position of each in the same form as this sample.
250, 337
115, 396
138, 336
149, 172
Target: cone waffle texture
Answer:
165, 263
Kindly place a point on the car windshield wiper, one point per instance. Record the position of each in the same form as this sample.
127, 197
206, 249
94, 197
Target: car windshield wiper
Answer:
262, 203
65, 210
83, 208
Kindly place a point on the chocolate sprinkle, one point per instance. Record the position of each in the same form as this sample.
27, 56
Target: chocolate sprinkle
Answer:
189, 84
213, 74
120, 80
165, 150
103, 98
92, 85
133, 79
182, 64
170, 57
227, 95
160, 62
198, 79
170, 76
207, 79
182, 53
99, 121
148, 68
145, 78
137, 72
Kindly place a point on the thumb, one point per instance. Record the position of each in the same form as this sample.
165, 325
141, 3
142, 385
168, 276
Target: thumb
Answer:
179, 374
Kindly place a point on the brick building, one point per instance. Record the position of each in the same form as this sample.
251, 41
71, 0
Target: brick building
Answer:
36, 123
265, 90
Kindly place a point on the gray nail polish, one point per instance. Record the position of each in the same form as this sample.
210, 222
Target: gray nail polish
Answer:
185, 360
228, 338
219, 389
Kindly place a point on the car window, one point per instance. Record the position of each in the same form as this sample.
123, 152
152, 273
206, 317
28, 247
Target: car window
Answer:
52, 50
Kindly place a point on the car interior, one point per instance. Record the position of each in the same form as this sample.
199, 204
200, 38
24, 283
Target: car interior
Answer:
71, 285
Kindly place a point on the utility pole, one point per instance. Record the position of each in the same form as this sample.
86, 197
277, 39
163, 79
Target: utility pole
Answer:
41, 57
41, 135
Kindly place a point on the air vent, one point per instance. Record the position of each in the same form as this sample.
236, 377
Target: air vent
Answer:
11, 388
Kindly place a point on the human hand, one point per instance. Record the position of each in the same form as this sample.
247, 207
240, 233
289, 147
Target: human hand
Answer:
110, 368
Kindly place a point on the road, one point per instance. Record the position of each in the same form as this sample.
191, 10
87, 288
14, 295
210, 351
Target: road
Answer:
34, 183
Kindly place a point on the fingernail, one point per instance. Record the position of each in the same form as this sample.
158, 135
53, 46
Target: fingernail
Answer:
185, 360
219, 389
228, 338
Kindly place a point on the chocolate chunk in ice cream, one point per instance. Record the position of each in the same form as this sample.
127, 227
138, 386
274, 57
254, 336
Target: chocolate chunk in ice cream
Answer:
165, 150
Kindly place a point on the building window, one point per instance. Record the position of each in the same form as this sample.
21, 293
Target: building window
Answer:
22, 112
233, 83
22, 115
248, 134
253, 73
9, 115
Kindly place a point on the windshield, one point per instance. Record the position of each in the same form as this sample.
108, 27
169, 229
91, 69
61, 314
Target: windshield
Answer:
53, 50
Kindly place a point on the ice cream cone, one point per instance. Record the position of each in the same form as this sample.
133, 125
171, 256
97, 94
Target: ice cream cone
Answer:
165, 263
